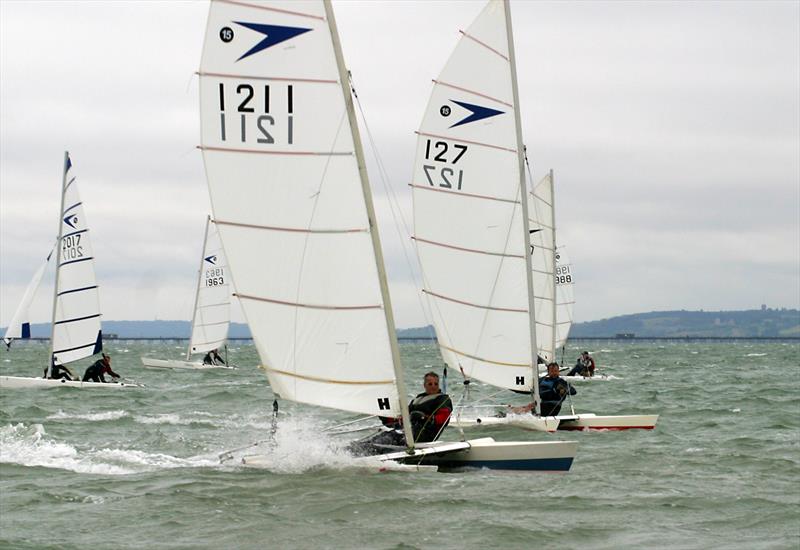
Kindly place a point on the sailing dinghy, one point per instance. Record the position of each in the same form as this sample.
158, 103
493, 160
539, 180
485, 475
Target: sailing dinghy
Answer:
211, 317
20, 327
294, 210
76, 332
489, 266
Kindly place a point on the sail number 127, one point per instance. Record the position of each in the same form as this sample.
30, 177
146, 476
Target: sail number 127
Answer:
447, 177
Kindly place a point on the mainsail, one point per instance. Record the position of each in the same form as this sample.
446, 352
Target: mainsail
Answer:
76, 307
565, 297
20, 326
470, 222
291, 202
212, 311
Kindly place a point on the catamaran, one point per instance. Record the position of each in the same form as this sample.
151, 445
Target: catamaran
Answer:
76, 332
211, 317
488, 267
293, 206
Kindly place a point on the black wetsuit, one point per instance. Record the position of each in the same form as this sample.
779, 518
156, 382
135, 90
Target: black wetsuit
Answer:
552, 392
97, 370
58, 372
212, 358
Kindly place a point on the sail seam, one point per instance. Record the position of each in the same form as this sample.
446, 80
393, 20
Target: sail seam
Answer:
480, 144
275, 78
268, 8
459, 194
468, 249
493, 308
291, 229
329, 380
291, 153
310, 306
213, 324
484, 44
503, 363
69, 183
77, 319
473, 92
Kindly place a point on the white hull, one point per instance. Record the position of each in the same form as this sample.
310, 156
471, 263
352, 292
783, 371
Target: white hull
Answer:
527, 421
178, 364
590, 421
22, 382
544, 456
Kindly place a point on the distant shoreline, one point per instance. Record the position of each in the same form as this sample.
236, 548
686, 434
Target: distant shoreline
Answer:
433, 339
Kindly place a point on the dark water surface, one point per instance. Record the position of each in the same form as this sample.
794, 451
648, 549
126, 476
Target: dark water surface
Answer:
140, 469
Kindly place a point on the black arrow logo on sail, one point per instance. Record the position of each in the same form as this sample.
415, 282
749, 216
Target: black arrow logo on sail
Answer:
273, 34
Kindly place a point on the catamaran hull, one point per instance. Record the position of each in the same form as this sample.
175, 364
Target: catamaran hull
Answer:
531, 456
21, 382
589, 421
529, 422
177, 364
595, 378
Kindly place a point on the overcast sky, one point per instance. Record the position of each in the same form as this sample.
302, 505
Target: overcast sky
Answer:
673, 129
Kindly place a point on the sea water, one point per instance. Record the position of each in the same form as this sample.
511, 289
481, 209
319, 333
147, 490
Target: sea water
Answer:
141, 468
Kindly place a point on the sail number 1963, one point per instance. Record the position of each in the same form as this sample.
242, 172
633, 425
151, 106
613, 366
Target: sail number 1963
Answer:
215, 276
447, 177
247, 114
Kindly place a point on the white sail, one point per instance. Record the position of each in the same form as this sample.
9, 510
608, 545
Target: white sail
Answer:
542, 226
212, 311
469, 225
283, 174
565, 297
20, 326
76, 311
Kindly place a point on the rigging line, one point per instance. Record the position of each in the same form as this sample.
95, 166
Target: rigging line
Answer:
394, 203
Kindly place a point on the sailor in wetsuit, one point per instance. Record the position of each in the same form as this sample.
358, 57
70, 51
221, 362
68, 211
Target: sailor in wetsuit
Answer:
213, 358
584, 366
429, 412
552, 391
59, 371
98, 369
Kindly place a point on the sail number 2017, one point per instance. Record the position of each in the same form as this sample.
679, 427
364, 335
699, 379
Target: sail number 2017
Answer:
247, 114
71, 248
446, 177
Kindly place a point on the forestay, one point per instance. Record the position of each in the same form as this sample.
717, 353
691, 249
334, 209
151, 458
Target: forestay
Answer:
212, 306
283, 175
76, 311
469, 226
20, 326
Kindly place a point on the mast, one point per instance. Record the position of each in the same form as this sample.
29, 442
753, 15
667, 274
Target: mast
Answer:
525, 222
554, 332
373, 225
197, 289
58, 264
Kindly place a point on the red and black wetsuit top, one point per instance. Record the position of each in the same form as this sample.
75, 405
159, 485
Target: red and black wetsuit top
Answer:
429, 415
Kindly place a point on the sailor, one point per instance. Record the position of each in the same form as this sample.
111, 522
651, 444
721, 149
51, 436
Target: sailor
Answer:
553, 390
584, 366
60, 371
430, 410
96, 372
213, 358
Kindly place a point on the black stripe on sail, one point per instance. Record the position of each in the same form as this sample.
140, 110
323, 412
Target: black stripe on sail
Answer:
76, 261
76, 205
71, 180
74, 233
77, 290
77, 319
75, 348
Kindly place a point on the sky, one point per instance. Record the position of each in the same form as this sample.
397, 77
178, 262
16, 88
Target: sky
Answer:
673, 129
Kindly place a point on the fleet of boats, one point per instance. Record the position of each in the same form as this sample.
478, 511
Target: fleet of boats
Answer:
295, 234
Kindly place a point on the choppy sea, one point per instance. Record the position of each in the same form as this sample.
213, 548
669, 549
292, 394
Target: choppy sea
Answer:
140, 469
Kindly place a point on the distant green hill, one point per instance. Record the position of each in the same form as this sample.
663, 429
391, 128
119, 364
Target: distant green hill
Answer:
658, 324
665, 324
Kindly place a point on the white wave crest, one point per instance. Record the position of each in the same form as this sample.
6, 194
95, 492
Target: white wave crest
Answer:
92, 417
